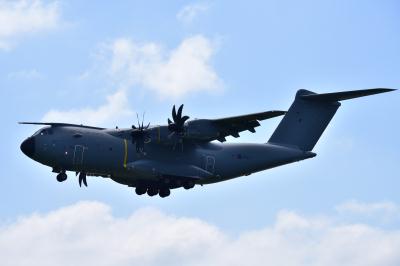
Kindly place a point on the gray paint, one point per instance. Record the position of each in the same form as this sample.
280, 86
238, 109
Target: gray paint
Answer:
171, 163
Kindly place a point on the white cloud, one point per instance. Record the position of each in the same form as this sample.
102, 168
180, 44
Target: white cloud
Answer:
18, 18
117, 106
87, 233
25, 74
386, 211
172, 74
189, 12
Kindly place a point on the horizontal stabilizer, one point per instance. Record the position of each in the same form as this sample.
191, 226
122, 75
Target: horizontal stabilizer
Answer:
344, 95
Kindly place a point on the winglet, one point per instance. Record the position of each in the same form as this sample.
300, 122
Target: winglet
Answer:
340, 96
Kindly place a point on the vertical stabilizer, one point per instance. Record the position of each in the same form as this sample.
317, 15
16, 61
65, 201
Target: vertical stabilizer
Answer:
310, 114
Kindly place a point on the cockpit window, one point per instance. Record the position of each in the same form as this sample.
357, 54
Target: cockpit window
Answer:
42, 132
37, 133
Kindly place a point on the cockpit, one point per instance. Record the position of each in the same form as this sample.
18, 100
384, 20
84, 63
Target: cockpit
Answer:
43, 132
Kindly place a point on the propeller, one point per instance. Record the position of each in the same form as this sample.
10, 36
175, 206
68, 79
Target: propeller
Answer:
82, 178
177, 125
140, 135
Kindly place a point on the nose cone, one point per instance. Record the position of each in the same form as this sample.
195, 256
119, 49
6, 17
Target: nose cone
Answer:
28, 147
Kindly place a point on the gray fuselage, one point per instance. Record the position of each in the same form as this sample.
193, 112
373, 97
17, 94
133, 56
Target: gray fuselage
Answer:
110, 153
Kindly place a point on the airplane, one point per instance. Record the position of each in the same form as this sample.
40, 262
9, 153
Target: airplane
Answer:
185, 153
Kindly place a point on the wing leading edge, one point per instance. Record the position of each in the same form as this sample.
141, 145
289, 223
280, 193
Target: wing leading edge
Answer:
218, 129
58, 124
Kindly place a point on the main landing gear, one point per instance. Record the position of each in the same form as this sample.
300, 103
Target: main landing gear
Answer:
188, 185
152, 192
163, 192
140, 190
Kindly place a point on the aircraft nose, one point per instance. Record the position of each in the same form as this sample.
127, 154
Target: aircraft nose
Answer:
28, 146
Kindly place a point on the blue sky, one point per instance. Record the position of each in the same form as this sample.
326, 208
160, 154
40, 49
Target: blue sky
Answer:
100, 63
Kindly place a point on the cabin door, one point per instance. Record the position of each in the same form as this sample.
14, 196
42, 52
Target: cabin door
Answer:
209, 163
78, 155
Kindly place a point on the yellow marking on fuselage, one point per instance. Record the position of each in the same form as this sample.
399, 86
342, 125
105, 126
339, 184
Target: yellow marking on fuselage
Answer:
126, 152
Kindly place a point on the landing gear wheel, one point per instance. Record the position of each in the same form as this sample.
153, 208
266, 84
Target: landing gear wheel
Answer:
140, 190
164, 192
188, 185
61, 177
152, 192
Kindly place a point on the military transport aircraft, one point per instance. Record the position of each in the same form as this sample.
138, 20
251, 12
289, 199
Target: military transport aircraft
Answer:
156, 159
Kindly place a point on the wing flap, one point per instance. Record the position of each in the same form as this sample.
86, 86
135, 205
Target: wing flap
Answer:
249, 117
232, 126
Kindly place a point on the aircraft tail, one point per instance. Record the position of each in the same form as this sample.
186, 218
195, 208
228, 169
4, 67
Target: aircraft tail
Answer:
310, 114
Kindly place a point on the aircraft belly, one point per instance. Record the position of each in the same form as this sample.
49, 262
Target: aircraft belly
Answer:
236, 160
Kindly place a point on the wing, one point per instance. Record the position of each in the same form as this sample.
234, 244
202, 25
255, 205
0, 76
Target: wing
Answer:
58, 125
218, 129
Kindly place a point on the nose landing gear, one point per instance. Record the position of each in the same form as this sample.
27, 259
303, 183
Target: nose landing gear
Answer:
62, 176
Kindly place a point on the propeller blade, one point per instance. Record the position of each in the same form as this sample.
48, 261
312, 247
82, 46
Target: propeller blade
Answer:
174, 113
184, 119
140, 135
84, 180
171, 134
180, 112
138, 120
